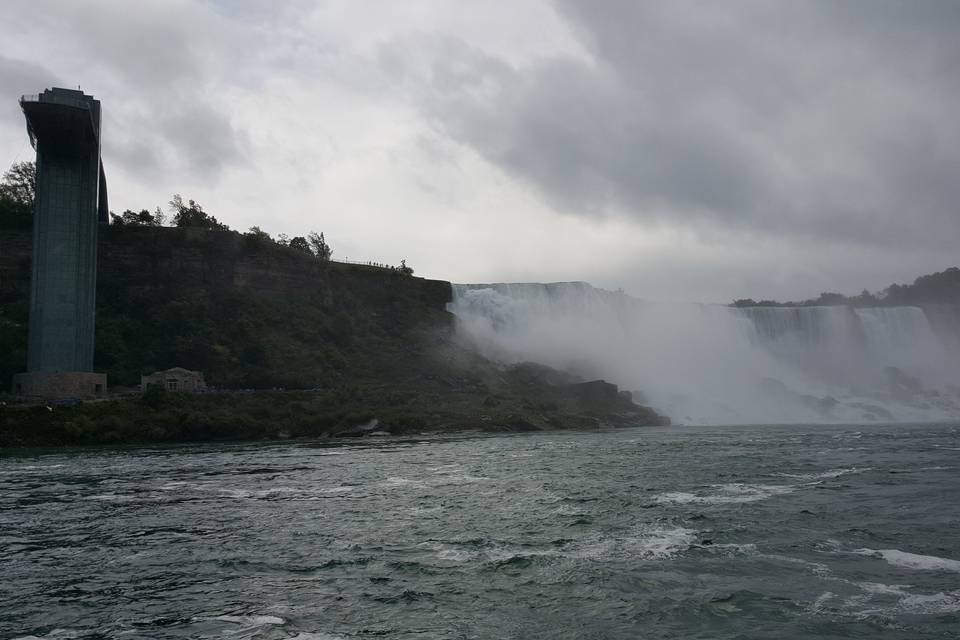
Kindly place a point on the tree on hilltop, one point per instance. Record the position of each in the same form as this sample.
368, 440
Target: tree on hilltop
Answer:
192, 214
300, 244
259, 234
142, 218
318, 244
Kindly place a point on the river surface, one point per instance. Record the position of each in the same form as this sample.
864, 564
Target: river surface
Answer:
674, 532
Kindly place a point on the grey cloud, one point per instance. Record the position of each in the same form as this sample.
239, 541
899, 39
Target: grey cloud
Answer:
19, 77
816, 119
158, 68
137, 156
204, 139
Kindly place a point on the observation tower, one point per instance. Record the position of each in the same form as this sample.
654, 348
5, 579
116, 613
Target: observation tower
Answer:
71, 199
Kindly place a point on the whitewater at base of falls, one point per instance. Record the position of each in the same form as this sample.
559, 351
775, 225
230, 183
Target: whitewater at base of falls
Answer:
712, 364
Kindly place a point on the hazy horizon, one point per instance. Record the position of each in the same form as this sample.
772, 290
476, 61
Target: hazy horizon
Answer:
679, 151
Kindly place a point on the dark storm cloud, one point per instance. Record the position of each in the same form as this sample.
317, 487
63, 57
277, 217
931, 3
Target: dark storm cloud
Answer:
818, 119
156, 68
19, 77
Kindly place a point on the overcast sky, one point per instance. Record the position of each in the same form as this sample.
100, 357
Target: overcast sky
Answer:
680, 150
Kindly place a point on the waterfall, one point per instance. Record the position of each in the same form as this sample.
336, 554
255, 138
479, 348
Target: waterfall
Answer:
701, 363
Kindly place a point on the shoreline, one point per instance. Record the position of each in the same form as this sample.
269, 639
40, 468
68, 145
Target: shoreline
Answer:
355, 412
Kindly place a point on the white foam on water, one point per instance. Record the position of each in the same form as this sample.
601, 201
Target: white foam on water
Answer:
824, 475
396, 481
659, 543
568, 510
863, 606
886, 589
273, 493
730, 548
933, 604
816, 568
234, 493
425, 511
337, 490
449, 553
727, 494
649, 542
457, 479
55, 633
821, 600
39, 467
317, 635
912, 560
114, 497
446, 468
177, 485
250, 620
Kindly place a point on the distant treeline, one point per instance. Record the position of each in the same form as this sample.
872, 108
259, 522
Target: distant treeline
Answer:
18, 189
936, 288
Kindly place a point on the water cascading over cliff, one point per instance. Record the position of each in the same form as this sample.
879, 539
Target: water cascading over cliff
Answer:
705, 364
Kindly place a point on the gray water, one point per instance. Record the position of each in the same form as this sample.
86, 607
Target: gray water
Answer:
682, 532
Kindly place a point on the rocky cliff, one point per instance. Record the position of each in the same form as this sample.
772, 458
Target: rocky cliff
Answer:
262, 320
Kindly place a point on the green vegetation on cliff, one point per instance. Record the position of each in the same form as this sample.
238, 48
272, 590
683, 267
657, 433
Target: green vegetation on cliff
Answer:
937, 288
462, 392
328, 347
249, 314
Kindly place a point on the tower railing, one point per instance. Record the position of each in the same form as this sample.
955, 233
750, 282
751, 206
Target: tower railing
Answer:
56, 98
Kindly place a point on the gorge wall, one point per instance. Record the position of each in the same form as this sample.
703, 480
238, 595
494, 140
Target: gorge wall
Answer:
247, 313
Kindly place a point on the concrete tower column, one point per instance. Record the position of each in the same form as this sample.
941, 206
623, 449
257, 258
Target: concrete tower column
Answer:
64, 128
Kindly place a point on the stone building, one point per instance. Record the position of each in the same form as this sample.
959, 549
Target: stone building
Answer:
176, 379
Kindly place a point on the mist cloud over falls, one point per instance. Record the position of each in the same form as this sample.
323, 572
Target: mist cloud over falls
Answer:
713, 364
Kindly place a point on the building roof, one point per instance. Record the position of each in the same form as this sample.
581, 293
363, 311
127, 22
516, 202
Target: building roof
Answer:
176, 371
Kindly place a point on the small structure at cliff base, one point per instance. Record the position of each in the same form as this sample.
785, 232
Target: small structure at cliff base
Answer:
71, 198
175, 379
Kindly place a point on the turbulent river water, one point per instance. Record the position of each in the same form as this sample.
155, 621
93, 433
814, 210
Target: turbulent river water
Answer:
676, 532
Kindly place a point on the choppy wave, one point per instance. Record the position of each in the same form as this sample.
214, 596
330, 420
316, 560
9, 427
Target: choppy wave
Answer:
250, 620
719, 532
888, 601
824, 475
647, 542
727, 494
658, 543
737, 492
912, 560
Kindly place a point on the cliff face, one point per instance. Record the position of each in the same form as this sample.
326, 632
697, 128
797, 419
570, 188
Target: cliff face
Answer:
15, 254
247, 313
367, 346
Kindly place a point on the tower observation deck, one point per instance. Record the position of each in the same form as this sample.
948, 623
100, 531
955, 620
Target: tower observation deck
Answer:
71, 198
